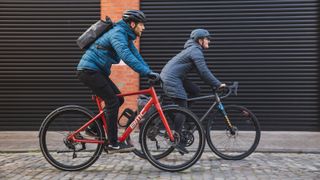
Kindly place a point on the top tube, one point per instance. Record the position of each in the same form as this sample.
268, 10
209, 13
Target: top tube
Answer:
143, 91
150, 91
233, 89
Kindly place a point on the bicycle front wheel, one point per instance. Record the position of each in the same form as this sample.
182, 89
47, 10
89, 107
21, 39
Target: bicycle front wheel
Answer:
65, 154
155, 140
237, 142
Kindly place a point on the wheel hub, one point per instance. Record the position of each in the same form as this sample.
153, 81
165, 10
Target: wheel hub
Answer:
233, 132
152, 133
69, 143
176, 137
187, 137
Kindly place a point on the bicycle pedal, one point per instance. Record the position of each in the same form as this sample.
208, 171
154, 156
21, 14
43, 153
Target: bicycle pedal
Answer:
105, 148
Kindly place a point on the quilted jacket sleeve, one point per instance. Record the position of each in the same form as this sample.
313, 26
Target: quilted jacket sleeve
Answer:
136, 53
119, 42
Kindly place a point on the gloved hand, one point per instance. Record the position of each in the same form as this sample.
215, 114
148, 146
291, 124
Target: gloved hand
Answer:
220, 88
153, 76
222, 85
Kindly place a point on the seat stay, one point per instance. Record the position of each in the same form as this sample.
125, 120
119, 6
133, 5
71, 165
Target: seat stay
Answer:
74, 139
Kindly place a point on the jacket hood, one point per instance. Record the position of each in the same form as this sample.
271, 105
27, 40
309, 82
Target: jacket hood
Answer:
190, 43
127, 28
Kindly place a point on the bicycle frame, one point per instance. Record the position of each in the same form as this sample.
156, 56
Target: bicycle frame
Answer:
220, 107
211, 107
232, 89
153, 101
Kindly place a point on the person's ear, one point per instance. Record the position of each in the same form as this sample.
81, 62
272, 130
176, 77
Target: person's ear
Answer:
132, 24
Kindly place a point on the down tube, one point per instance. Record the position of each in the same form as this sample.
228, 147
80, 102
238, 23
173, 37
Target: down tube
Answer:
164, 121
136, 121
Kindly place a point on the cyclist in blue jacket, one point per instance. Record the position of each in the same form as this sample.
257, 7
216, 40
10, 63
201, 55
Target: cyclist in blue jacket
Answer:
176, 85
94, 67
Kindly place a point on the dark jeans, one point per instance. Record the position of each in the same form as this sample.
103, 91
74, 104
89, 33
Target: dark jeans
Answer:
193, 91
103, 87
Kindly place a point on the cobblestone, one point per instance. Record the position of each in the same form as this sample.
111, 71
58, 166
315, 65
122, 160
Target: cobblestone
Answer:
128, 166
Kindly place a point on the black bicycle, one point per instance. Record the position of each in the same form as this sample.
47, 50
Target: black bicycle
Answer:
233, 132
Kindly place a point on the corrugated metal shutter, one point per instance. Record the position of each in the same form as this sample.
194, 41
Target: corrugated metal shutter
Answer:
38, 56
269, 46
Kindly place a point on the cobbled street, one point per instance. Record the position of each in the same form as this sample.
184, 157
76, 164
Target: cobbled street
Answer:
128, 166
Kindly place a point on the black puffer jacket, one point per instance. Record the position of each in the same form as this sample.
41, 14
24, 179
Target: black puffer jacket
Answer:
177, 68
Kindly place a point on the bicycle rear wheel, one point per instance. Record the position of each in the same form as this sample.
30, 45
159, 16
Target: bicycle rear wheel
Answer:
238, 142
155, 140
65, 154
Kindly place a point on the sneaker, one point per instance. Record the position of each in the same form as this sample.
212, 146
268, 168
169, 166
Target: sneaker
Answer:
181, 147
119, 148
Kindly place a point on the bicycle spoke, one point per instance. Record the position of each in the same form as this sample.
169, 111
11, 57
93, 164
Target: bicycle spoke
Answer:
227, 144
240, 140
222, 141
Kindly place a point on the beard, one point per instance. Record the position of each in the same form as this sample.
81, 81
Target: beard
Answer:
138, 33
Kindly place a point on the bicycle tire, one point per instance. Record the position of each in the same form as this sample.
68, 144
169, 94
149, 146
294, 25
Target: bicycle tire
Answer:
246, 126
134, 141
68, 118
195, 129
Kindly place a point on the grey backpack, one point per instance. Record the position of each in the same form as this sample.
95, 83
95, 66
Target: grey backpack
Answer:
94, 32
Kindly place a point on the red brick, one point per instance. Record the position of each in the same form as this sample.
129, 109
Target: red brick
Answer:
123, 76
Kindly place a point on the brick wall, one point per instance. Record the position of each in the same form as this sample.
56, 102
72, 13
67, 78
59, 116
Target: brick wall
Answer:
123, 76
115, 8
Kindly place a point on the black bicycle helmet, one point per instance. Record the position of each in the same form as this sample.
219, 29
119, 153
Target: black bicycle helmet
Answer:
134, 15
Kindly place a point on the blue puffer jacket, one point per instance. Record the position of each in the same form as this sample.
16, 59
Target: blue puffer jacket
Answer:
177, 68
118, 42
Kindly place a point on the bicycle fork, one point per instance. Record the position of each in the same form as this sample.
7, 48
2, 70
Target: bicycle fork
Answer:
222, 110
224, 113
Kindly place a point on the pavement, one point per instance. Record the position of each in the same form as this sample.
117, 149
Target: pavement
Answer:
280, 155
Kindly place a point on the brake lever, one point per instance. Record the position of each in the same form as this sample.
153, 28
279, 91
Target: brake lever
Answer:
234, 88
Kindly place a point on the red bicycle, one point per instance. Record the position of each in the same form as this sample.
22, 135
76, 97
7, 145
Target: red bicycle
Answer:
65, 145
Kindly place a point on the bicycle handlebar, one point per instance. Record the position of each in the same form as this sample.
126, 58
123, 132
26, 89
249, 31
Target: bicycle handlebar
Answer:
153, 78
233, 89
153, 82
